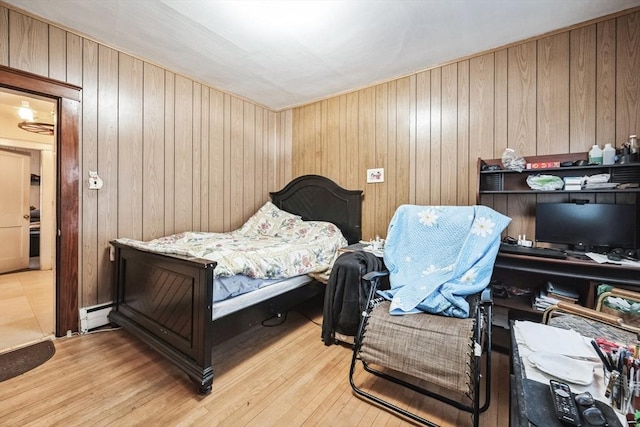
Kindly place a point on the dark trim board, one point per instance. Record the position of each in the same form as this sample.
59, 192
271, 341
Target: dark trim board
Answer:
166, 301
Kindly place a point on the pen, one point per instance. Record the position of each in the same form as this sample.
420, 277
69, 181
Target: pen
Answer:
630, 401
605, 361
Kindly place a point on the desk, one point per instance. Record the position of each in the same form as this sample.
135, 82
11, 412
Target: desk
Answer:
570, 267
532, 400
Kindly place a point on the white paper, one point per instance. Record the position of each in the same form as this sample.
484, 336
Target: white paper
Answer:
539, 337
601, 259
565, 368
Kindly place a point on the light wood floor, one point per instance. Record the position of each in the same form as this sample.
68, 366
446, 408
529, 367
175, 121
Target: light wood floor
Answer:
280, 375
26, 308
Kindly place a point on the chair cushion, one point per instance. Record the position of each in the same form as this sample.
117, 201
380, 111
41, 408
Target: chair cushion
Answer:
429, 347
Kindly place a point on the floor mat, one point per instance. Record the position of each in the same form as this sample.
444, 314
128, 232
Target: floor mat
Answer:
17, 362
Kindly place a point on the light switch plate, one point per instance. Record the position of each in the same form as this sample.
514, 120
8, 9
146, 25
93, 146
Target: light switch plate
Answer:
375, 175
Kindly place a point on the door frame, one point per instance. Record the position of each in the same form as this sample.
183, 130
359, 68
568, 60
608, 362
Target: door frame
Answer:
68, 98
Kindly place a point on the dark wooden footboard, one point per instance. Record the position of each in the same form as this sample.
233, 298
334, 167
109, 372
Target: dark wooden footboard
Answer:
166, 302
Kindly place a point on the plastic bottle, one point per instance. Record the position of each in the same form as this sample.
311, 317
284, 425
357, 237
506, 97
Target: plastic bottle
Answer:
608, 155
595, 155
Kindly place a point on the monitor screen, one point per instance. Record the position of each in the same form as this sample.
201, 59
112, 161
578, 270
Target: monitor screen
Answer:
587, 225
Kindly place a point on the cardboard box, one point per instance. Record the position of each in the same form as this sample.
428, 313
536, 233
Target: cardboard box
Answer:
543, 165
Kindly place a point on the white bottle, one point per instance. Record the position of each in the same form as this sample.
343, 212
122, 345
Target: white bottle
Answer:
608, 155
595, 155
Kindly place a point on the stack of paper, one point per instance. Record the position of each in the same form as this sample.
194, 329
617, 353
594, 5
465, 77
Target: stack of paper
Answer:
553, 293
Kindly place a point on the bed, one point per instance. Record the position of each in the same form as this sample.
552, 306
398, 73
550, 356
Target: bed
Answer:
167, 301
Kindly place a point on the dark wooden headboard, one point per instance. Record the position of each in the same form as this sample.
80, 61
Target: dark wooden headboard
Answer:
317, 198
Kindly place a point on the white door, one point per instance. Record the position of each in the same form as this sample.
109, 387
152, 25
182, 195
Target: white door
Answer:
14, 210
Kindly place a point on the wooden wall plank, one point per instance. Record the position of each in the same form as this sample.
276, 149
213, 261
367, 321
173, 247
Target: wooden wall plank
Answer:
88, 258
423, 138
399, 190
435, 167
606, 83
481, 114
384, 136
411, 148
249, 161
259, 179
332, 139
501, 104
216, 161
353, 160
322, 141
449, 168
237, 172
4, 36
169, 153
28, 44
553, 95
465, 166
130, 147
183, 154
366, 153
74, 59
627, 76
227, 162
57, 53
522, 99
196, 151
582, 96
204, 159
107, 165
153, 190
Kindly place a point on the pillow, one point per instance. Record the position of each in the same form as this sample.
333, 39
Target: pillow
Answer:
269, 220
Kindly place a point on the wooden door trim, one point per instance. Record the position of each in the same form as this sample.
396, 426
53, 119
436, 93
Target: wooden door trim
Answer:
67, 186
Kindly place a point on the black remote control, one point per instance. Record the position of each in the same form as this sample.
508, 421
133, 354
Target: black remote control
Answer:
565, 407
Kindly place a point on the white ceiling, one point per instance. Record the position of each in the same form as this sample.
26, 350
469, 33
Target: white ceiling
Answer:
287, 53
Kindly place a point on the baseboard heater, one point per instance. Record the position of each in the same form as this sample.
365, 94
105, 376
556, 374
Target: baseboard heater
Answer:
94, 317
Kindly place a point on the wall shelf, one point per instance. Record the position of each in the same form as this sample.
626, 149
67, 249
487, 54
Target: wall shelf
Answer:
513, 182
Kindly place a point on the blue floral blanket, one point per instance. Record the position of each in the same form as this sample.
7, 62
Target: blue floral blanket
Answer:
437, 255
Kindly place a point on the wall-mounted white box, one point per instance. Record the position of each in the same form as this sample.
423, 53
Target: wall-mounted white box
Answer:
375, 175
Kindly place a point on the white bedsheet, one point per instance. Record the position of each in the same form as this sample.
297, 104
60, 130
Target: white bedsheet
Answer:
231, 305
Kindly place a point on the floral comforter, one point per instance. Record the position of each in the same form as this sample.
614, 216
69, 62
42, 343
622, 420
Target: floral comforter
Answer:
272, 244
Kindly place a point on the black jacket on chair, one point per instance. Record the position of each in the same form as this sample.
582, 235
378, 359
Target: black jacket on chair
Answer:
346, 293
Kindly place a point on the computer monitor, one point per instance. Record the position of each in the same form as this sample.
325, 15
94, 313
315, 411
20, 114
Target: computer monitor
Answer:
588, 226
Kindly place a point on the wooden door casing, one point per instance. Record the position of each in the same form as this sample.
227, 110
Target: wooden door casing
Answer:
67, 142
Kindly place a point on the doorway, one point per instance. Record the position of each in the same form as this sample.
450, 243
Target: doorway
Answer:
27, 190
65, 229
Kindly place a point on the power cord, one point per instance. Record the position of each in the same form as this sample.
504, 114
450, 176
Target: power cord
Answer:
309, 318
280, 316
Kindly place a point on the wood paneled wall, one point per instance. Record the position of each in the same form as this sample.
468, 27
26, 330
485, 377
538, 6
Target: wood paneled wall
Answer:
173, 153
558, 94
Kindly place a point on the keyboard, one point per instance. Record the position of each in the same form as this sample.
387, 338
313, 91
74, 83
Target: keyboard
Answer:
539, 252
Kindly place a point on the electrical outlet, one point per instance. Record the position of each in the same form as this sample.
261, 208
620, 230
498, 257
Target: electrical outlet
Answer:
95, 182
